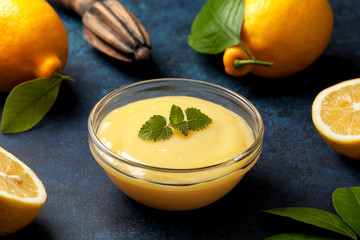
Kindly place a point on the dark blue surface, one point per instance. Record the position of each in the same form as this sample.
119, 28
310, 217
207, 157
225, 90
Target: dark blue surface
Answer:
296, 168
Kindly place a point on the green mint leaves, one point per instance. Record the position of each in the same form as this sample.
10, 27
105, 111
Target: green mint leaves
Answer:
156, 128
346, 202
29, 102
217, 26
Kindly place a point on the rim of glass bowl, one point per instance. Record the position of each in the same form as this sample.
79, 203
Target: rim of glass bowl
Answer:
238, 97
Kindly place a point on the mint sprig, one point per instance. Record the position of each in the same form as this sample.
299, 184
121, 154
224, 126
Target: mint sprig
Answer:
157, 129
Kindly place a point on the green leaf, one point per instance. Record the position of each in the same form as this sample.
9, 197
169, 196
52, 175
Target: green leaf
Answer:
177, 120
217, 26
316, 217
347, 204
28, 103
196, 119
183, 127
176, 115
155, 129
299, 236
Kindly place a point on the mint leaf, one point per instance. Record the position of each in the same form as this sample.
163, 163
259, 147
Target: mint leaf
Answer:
196, 119
177, 120
217, 26
183, 127
347, 204
29, 102
316, 217
155, 129
176, 115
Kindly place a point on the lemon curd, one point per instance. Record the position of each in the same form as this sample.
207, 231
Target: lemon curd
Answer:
183, 172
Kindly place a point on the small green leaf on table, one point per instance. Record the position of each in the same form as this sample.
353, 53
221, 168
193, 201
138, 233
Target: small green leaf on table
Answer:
29, 102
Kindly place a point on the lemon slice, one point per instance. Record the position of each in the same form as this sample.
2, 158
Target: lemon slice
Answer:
22, 194
336, 115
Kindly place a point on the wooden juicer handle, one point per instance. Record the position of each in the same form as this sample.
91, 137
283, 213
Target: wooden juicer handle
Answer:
111, 28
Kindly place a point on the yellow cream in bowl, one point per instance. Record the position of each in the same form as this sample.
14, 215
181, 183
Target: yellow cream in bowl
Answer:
179, 173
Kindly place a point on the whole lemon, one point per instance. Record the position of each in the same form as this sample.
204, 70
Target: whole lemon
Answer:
33, 43
290, 34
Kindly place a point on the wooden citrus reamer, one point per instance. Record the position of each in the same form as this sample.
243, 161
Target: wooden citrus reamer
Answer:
111, 28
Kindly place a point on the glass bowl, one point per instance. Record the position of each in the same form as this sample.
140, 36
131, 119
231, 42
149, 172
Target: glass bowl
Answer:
175, 189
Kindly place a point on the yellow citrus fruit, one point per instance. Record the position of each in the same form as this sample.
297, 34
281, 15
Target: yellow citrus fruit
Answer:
33, 42
22, 194
291, 34
336, 115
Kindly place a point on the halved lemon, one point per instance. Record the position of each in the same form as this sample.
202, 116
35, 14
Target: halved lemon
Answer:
22, 194
336, 116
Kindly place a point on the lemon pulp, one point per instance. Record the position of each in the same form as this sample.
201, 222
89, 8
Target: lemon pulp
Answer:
22, 194
336, 116
340, 110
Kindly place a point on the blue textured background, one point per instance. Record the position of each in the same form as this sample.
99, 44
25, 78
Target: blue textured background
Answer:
296, 168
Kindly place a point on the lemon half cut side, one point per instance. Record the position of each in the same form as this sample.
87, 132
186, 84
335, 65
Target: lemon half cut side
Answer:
22, 194
336, 116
